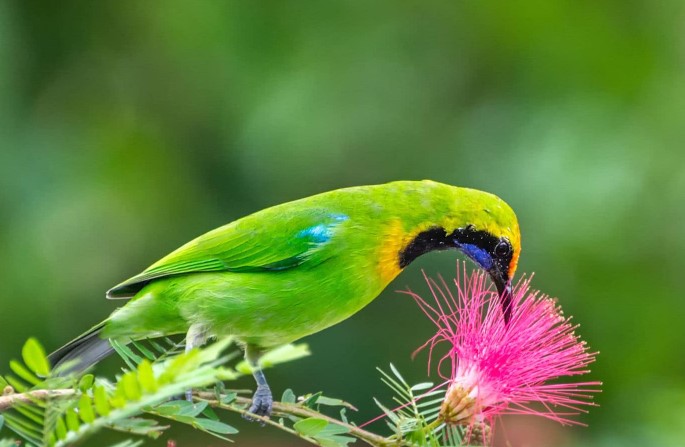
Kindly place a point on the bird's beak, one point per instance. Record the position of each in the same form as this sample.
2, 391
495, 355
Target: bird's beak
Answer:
503, 285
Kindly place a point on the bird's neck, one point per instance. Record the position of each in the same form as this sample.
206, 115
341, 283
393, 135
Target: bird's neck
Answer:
400, 246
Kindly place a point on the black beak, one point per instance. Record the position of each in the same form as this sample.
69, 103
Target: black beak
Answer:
505, 294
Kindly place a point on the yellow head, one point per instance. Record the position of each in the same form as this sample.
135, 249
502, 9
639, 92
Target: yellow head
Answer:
479, 224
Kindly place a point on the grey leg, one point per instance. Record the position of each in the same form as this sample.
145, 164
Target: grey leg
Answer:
196, 336
262, 401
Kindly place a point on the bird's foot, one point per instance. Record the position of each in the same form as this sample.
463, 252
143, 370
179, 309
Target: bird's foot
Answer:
262, 402
188, 395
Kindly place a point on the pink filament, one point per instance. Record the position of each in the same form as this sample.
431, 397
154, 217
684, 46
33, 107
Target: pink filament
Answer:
508, 367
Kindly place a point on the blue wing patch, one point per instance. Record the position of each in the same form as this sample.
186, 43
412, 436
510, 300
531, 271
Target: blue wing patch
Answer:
318, 233
321, 233
315, 235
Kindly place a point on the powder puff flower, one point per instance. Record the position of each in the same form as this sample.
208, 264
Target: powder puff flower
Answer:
498, 368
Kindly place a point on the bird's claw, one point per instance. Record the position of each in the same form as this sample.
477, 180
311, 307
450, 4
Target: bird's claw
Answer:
262, 402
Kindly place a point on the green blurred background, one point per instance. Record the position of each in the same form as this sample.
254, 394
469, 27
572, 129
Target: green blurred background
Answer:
127, 128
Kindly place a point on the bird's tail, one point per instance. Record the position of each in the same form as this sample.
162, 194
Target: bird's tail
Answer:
82, 352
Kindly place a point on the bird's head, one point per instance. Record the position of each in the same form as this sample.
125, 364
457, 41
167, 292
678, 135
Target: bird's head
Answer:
480, 225
495, 252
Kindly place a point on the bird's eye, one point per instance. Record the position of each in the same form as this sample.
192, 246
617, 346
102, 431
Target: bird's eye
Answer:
502, 249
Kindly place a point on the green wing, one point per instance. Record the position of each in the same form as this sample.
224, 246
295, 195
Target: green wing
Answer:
271, 240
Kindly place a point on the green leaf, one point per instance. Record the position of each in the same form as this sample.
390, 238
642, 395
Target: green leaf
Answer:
310, 426
184, 419
24, 428
323, 400
72, 420
3, 383
128, 443
146, 377
192, 409
2, 421
18, 385
219, 389
131, 358
209, 413
215, 426
101, 401
327, 443
333, 429
330, 436
31, 433
422, 386
343, 415
244, 368
30, 412
392, 416
397, 374
117, 400
310, 400
229, 397
143, 350
129, 386
140, 426
331, 402
167, 408
401, 390
335, 441
283, 354
35, 358
430, 403
60, 428
156, 346
85, 410
178, 365
86, 382
179, 409
288, 397
23, 373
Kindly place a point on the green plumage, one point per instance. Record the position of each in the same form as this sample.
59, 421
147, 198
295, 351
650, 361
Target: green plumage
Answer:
287, 271
294, 269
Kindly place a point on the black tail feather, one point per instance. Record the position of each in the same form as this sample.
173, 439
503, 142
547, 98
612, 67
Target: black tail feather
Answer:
81, 353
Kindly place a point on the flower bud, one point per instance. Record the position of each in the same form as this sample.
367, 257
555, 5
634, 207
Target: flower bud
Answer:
478, 433
458, 407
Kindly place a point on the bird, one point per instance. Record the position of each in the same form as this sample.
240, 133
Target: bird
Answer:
296, 268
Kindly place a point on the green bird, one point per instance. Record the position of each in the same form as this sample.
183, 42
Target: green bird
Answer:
294, 269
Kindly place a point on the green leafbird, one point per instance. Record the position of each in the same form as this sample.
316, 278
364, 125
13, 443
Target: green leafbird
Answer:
294, 269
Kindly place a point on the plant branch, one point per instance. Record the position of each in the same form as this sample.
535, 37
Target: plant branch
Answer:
283, 409
280, 409
262, 419
10, 398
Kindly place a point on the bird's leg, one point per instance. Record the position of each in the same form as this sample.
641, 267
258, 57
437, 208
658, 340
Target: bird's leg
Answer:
262, 401
196, 336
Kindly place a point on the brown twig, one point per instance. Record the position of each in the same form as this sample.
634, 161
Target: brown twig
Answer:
10, 398
282, 409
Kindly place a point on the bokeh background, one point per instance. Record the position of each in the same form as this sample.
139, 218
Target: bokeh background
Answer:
127, 128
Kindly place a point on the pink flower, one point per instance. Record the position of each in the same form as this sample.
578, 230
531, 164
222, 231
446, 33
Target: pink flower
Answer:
505, 369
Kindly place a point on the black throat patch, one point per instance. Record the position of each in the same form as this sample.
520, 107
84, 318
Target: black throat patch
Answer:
436, 238
491, 253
